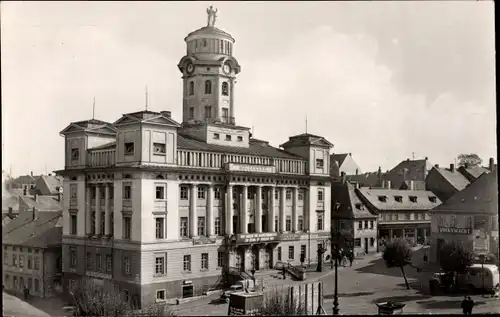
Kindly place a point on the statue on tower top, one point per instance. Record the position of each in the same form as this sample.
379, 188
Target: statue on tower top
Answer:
212, 15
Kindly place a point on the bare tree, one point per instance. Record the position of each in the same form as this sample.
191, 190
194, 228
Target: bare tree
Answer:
279, 303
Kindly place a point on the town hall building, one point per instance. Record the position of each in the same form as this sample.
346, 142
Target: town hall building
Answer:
168, 209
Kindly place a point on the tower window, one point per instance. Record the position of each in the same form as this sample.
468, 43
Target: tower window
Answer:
222, 46
225, 115
225, 89
208, 87
208, 111
191, 88
191, 113
204, 43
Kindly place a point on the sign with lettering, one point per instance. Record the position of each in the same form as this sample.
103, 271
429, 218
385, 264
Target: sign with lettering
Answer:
454, 230
98, 275
289, 236
236, 167
256, 237
204, 240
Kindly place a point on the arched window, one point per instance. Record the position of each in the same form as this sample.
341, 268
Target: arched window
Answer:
208, 87
225, 89
191, 88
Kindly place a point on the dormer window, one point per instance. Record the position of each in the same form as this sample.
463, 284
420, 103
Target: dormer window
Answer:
319, 163
240, 139
159, 148
216, 136
129, 148
75, 154
413, 199
228, 137
359, 206
208, 87
191, 88
382, 198
432, 199
225, 89
399, 199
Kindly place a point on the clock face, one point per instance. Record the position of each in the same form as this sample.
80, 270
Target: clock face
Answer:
227, 68
190, 68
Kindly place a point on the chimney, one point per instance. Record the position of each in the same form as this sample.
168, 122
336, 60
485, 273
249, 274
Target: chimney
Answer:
357, 171
342, 175
491, 165
436, 165
167, 114
388, 184
350, 154
34, 213
452, 168
31, 173
11, 212
379, 174
426, 158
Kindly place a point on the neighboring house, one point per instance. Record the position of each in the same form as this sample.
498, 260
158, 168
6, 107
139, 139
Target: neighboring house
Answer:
401, 213
473, 173
25, 182
32, 253
409, 170
350, 214
48, 185
344, 163
370, 179
445, 182
471, 216
45, 203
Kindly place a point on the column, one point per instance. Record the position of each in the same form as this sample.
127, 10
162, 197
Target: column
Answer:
88, 214
391, 234
231, 100
210, 211
258, 210
415, 237
107, 212
244, 210
282, 209
229, 210
425, 235
270, 210
307, 210
193, 230
294, 208
98, 211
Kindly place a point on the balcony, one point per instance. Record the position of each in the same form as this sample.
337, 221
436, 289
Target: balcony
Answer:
101, 158
228, 120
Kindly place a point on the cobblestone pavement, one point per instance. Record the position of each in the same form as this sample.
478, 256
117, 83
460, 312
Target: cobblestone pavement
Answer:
13, 306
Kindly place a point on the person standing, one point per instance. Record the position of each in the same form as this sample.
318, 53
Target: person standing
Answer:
470, 305
425, 258
26, 292
464, 305
351, 258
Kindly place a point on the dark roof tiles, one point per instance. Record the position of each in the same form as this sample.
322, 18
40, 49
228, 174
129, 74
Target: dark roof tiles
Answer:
44, 231
423, 199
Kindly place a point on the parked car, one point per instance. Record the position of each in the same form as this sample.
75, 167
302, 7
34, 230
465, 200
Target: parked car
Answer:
225, 295
477, 278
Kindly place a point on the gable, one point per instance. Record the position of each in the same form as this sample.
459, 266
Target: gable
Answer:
321, 142
102, 130
72, 128
163, 121
126, 119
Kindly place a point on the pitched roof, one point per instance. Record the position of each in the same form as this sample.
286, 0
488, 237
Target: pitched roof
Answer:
408, 170
92, 125
472, 173
423, 202
306, 139
417, 185
255, 148
42, 203
481, 196
53, 183
10, 201
370, 179
147, 116
339, 158
351, 206
455, 178
45, 231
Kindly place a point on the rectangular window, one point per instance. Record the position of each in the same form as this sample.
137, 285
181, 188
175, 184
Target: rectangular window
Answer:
160, 192
291, 252
184, 227
251, 192
73, 194
220, 259
89, 261
303, 251
279, 253
204, 261
37, 285
276, 223
109, 263
225, 115
187, 263
129, 148
184, 193
92, 223
73, 225
98, 262
127, 227
371, 224
300, 223
360, 225
36, 265
160, 228
228, 137
201, 192
6, 258
288, 224
14, 260
201, 226
288, 194
126, 265
217, 193
21, 261
366, 224
75, 154
301, 195
217, 226
240, 139
159, 148
372, 242
408, 216
30, 262
321, 222
103, 223
160, 265
321, 195
126, 295
15, 282
127, 191
357, 242
191, 113
319, 163
208, 112
216, 136
160, 295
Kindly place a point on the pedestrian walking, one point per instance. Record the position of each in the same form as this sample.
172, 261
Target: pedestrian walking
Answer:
464, 305
425, 258
351, 258
470, 305
26, 292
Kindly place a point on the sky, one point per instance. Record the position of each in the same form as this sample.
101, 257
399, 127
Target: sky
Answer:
385, 81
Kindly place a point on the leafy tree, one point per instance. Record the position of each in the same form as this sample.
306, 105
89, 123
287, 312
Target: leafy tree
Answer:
397, 253
279, 303
90, 299
455, 257
469, 160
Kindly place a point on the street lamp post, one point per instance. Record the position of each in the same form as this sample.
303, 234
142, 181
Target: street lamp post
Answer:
309, 249
335, 246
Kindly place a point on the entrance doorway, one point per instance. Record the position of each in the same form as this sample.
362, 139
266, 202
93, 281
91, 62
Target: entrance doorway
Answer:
256, 258
366, 245
187, 290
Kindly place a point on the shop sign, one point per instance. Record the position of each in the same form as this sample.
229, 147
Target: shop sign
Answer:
465, 231
289, 236
98, 275
256, 237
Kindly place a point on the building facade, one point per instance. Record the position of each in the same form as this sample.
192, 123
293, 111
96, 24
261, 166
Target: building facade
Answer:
167, 209
445, 182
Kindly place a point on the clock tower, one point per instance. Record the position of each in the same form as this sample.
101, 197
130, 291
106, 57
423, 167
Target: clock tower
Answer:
209, 75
